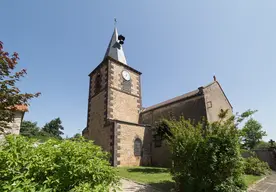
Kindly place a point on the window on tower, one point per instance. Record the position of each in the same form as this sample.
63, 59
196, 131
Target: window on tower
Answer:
98, 82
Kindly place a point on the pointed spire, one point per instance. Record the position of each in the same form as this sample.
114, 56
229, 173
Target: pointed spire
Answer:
115, 49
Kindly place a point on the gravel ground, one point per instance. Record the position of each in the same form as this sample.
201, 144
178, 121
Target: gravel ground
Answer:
130, 186
267, 185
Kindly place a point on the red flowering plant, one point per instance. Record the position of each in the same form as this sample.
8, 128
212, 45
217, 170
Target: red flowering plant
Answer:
11, 98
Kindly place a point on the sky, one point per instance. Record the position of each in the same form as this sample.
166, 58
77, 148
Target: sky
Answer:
178, 45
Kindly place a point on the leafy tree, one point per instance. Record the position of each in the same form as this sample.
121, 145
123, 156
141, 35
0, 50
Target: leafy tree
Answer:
77, 135
272, 143
252, 134
10, 94
53, 128
29, 129
205, 156
262, 145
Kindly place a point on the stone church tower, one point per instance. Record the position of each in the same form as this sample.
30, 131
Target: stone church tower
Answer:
114, 105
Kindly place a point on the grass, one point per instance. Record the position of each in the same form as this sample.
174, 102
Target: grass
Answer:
160, 177
250, 179
156, 177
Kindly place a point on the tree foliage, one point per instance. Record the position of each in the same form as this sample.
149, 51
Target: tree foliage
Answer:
10, 94
254, 166
271, 143
54, 128
262, 145
206, 156
50, 130
54, 166
29, 129
252, 134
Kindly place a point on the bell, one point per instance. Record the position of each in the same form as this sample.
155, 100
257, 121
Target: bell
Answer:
121, 38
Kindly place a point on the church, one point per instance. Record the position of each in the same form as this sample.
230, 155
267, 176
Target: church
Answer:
118, 123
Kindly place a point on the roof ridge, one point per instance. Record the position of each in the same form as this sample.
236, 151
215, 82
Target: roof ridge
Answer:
187, 95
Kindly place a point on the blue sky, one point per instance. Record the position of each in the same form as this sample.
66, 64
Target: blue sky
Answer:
177, 45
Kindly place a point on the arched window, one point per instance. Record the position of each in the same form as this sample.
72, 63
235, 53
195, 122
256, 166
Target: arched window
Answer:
137, 147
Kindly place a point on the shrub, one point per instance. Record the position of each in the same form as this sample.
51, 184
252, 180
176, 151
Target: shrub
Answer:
205, 158
262, 145
54, 166
254, 166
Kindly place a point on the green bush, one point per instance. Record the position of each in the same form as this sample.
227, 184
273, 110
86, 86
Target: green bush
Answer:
205, 157
254, 166
54, 166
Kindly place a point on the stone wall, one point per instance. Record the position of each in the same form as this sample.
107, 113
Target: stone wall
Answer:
16, 124
96, 130
97, 108
117, 79
123, 105
192, 108
14, 127
266, 155
215, 100
126, 135
102, 71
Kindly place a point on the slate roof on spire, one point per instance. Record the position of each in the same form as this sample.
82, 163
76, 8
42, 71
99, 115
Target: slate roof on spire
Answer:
115, 49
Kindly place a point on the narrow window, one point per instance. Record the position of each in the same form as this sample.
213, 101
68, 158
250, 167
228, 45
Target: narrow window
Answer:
209, 104
137, 147
98, 82
157, 140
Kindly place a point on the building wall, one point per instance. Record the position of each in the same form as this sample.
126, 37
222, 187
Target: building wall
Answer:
96, 130
126, 135
102, 70
193, 108
266, 155
15, 125
124, 107
215, 100
96, 120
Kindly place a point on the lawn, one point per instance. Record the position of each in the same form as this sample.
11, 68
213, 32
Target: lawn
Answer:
250, 179
156, 177
160, 177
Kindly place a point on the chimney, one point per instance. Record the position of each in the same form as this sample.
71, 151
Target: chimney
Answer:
200, 90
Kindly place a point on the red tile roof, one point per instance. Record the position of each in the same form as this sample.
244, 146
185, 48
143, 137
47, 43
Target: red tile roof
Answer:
23, 108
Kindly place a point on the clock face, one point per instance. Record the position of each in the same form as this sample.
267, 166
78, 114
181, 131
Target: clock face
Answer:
126, 75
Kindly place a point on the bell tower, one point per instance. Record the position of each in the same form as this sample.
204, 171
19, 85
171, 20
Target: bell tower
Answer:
124, 95
114, 104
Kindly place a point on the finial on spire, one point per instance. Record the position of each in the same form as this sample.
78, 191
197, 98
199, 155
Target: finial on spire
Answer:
214, 77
